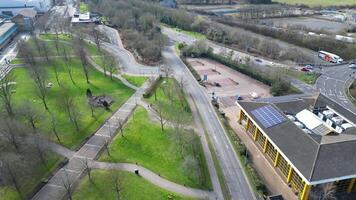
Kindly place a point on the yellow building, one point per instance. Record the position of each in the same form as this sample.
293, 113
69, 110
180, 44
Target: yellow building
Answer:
311, 142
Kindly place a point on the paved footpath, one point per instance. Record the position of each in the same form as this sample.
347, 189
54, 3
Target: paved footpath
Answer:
155, 179
70, 174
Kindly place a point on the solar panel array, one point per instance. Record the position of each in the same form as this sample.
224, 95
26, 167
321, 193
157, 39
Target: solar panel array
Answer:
268, 116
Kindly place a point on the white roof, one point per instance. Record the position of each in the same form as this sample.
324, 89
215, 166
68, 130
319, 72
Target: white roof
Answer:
84, 16
310, 120
330, 54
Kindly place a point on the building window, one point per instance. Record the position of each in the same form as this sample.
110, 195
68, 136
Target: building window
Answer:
271, 151
260, 139
283, 166
251, 129
297, 182
7, 13
341, 186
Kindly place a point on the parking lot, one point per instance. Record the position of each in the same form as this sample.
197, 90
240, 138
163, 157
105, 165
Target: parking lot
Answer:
227, 83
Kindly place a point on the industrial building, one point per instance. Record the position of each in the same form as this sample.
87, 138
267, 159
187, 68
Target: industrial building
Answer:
7, 31
310, 141
12, 7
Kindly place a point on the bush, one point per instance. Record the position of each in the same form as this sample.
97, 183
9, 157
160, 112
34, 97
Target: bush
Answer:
191, 69
149, 91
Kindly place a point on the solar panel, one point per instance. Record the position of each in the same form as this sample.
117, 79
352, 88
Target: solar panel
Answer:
268, 116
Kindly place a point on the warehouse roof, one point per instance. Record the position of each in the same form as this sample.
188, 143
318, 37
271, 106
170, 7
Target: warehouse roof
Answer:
316, 156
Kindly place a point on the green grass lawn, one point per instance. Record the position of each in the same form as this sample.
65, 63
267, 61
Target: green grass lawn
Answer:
323, 3
309, 78
26, 92
193, 34
146, 144
27, 167
83, 7
132, 187
172, 99
48, 36
16, 61
66, 41
137, 81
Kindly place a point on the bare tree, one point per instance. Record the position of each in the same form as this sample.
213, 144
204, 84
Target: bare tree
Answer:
121, 127
53, 127
67, 185
106, 146
67, 102
55, 68
97, 36
111, 65
160, 114
11, 129
87, 168
36, 71
6, 88
67, 61
328, 192
30, 114
40, 151
82, 54
117, 186
13, 177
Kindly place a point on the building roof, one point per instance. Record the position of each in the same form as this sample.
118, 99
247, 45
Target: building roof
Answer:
27, 12
5, 27
316, 157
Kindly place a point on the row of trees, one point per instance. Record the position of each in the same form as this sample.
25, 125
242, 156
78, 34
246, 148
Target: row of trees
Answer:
316, 43
138, 22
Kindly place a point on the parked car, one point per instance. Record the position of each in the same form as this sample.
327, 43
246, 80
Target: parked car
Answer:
258, 60
352, 65
305, 69
238, 97
309, 67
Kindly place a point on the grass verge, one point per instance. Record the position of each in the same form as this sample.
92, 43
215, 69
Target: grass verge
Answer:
192, 34
309, 78
102, 187
170, 98
174, 155
137, 81
257, 184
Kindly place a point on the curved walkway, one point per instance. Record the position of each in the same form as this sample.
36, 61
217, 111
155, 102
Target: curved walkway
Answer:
155, 179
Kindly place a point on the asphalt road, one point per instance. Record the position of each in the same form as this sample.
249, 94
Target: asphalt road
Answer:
334, 82
231, 167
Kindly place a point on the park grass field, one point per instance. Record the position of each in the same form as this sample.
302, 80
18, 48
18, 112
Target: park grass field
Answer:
137, 81
27, 165
146, 144
132, 187
323, 3
172, 99
99, 84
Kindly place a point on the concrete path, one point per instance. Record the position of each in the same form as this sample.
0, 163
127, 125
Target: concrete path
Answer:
71, 173
123, 80
155, 179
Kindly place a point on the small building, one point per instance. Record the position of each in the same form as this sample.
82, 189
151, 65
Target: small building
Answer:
8, 31
25, 19
310, 141
168, 3
86, 17
11, 8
